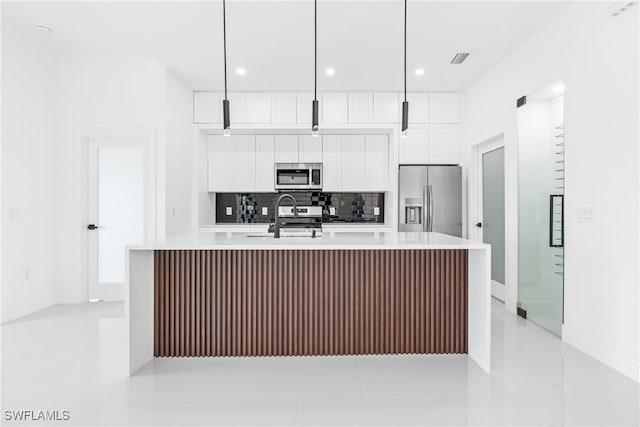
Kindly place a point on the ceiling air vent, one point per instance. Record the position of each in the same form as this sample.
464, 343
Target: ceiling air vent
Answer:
459, 58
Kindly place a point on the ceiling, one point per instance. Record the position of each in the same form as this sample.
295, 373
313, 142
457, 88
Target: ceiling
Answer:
273, 40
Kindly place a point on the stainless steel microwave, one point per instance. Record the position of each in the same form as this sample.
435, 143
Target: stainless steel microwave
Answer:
298, 176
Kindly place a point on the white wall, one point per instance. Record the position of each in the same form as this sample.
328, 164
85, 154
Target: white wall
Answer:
180, 144
100, 92
28, 174
597, 56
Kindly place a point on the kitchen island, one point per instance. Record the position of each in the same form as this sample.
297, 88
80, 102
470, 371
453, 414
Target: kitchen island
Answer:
220, 294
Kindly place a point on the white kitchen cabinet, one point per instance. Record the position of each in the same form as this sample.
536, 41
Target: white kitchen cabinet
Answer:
332, 163
265, 159
444, 108
418, 107
444, 144
237, 108
360, 107
353, 162
303, 108
220, 163
257, 107
385, 107
207, 107
283, 107
286, 149
310, 149
376, 162
232, 163
334, 108
244, 162
413, 150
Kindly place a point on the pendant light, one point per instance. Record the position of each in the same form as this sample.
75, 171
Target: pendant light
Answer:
314, 103
225, 103
405, 104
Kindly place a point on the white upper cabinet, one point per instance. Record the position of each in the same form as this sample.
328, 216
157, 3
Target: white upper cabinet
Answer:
303, 108
232, 163
353, 163
265, 159
237, 103
283, 107
310, 149
331, 163
414, 148
257, 108
334, 108
244, 162
376, 162
444, 108
286, 149
360, 107
220, 167
207, 107
385, 107
418, 107
444, 144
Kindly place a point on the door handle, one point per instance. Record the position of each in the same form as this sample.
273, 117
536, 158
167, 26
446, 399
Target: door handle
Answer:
93, 227
430, 193
425, 203
479, 224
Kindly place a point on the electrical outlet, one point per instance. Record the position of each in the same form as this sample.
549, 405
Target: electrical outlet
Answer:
376, 211
229, 210
265, 211
27, 273
14, 213
332, 211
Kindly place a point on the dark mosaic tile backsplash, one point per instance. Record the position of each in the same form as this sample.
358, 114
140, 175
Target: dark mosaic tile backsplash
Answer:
350, 207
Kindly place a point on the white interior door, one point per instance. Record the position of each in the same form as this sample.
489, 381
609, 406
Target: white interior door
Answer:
116, 211
491, 212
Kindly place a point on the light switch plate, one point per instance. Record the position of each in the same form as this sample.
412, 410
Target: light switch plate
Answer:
585, 215
265, 210
332, 211
229, 210
376, 211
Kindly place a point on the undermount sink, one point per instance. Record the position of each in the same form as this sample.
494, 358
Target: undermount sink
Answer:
283, 235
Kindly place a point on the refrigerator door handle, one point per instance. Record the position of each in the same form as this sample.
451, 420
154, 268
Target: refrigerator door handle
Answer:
425, 203
430, 194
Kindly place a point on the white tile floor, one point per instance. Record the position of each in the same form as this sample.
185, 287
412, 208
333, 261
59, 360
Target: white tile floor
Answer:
72, 357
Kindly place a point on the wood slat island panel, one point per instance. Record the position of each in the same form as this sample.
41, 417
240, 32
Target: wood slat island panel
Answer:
309, 302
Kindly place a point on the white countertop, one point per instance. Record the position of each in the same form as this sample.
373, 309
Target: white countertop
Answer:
209, 240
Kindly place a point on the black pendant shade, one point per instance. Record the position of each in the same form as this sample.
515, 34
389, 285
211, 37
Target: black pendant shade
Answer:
405, 104
314, 103
314, 120
226, 119
405, 117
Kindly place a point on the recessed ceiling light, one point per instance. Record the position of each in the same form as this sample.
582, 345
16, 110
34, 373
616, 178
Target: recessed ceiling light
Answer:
558, 88
420, 72
43, 29
330, 71
241, 71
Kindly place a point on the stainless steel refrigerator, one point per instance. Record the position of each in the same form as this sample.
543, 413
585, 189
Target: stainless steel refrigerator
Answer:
431, 199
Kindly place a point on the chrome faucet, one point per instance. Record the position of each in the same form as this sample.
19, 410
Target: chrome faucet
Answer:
276, 233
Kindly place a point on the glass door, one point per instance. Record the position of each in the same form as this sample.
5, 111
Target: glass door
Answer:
540, 207
492, 226
115, 212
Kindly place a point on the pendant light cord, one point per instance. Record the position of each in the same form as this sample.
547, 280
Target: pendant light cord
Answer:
224, 37
315, 50
405, 50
